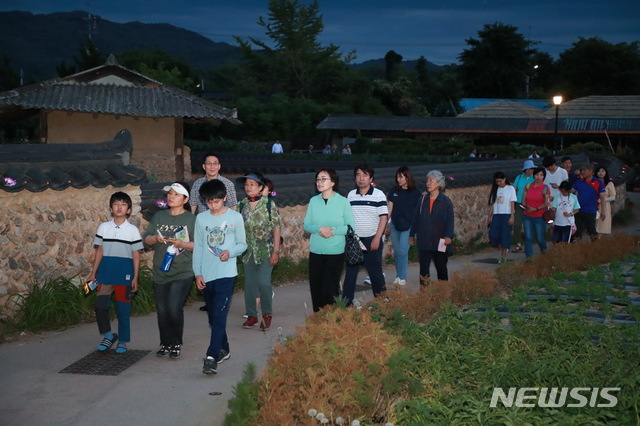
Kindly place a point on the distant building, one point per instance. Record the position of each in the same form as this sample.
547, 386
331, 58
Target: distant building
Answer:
593, 118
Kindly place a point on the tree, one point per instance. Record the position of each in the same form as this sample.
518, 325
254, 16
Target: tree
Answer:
285, 86
392, 66
496, 64
596, 67
9, 79
294, 60
90, 57
159, 65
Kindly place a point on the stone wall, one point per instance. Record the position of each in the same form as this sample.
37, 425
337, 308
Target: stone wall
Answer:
50, 234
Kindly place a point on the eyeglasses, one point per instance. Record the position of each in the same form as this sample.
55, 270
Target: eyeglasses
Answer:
322, 180
211, 164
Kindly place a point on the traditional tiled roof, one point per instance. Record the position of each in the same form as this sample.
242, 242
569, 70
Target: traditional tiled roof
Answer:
599, 107
296, 189
36, 167
502, 108
111, 89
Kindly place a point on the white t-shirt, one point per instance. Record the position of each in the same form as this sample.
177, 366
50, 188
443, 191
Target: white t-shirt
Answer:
504, 197
557, 178
276, 148
565, 205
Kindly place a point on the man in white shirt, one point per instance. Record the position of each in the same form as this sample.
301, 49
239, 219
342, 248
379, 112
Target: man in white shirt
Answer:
555, 175
369, 206
277, 148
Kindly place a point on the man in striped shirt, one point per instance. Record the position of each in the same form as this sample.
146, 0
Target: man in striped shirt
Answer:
369, 206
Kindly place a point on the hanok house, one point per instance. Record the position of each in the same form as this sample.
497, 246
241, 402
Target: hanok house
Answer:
93, 105
610, 120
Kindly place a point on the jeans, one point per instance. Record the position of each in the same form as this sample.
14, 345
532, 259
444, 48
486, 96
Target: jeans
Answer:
534, 227
257, 283
218, 295
325, 271
373, 264
170, 299
400, 241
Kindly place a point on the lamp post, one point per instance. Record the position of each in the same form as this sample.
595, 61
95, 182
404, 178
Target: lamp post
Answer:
557, 100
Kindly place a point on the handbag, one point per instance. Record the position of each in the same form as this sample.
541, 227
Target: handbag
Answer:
549, 216
353, 254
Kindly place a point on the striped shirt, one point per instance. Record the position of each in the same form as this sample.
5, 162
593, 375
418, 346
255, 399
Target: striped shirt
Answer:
367, 209
118, 244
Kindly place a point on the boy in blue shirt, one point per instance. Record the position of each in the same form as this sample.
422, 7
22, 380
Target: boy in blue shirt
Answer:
219, 239
115, 268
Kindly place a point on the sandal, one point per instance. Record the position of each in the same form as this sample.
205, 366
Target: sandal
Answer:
106, 343
122, 348
518, 249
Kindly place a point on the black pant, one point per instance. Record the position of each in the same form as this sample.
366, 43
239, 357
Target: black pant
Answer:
440, 259
325, 271
585, 221
170, 298
373, 265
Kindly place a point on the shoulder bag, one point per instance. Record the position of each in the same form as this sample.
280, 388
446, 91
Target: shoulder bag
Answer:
353, 254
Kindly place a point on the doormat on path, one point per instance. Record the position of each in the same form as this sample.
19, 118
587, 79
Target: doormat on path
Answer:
107, 363
489, 260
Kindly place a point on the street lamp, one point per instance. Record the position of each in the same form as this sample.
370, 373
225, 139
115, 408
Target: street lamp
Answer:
557, 100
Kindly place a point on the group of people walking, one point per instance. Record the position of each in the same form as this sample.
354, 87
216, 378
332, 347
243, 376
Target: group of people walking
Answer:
205, 229
405, 214
571, 202
186, 246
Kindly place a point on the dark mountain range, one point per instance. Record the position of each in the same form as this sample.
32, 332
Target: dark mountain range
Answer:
36, 44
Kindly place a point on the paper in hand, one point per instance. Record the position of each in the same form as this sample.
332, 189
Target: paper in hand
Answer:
442, 246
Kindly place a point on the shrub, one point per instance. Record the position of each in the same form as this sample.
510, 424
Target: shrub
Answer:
567, 257
57, 303
336, 365
463, 288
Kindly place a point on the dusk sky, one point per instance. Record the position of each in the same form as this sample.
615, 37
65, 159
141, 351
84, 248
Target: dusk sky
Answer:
434, 29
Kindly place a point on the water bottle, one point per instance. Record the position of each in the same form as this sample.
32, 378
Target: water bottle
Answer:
168, 258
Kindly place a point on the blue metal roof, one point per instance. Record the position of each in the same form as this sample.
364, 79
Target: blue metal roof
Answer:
470, 103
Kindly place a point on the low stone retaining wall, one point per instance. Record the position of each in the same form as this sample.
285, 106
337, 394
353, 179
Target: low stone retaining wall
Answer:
49, 234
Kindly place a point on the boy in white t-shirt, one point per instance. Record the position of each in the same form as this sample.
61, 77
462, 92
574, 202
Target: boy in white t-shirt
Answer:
502, 200
565, 205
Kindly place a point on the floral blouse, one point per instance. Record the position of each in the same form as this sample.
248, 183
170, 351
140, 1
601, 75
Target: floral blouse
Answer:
259, 229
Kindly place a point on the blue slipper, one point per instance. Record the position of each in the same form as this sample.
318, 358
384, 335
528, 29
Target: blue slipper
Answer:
106, 343
122, 348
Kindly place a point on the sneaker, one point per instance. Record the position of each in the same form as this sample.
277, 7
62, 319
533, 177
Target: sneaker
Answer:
174, 351
367, 280
250, 322
210, 366
266, 322
223, 356
402, 282
396, 281
163, 351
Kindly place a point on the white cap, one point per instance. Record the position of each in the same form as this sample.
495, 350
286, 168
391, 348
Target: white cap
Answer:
178, 188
